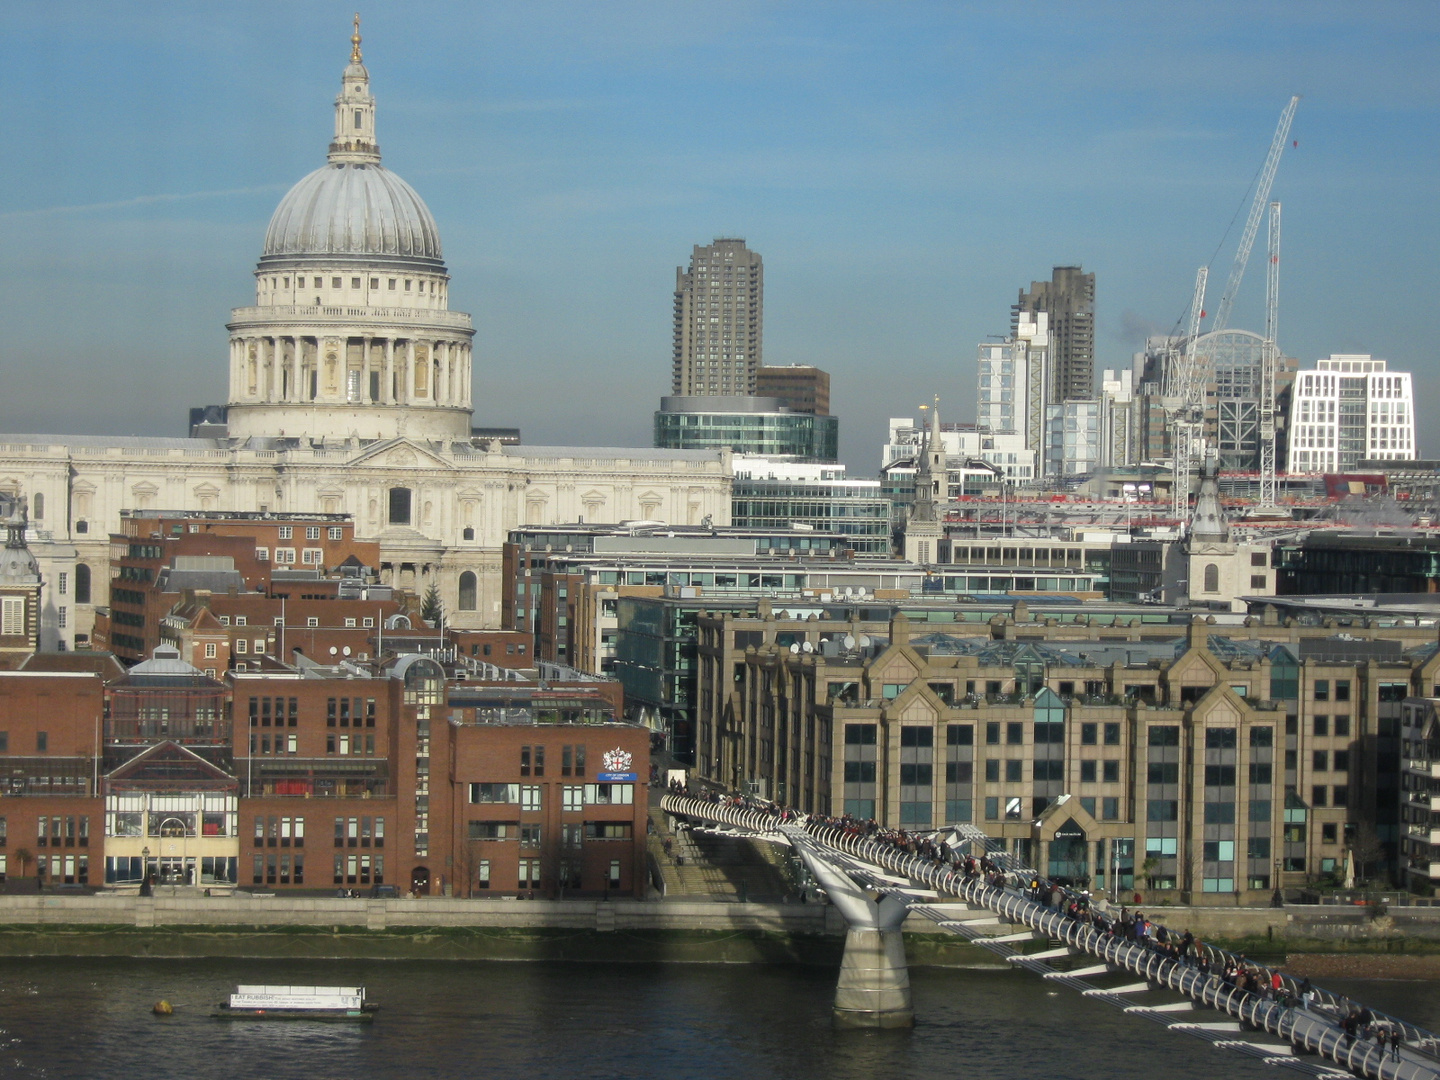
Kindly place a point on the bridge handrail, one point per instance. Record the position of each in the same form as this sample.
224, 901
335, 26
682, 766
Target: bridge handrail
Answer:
1315, 1035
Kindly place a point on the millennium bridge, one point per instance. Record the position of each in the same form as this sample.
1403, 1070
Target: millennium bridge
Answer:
876, 885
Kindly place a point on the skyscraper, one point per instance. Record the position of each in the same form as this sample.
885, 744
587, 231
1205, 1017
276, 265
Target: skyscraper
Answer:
1069, 297
718, 320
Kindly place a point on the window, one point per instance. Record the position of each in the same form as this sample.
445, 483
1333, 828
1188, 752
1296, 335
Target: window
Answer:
82, 583
992, 770
312, 532
1320, 761
494, 793
572, 798
1109, 808
285, 532
1342, 726
210, 650
12, 616
337, 532
1322, 690
1088, 734
467, 591
63, 580
399, 506
1342, 690
1112, 734
530, 797
1212, 578
1321, 725
1087, 772
1111, 772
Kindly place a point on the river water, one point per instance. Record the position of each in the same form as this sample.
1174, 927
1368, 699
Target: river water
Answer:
62, 1019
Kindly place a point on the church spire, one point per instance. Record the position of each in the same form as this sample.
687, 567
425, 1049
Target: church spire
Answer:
354, 141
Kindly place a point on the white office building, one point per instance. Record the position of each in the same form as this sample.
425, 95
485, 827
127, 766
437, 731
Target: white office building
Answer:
1350, 409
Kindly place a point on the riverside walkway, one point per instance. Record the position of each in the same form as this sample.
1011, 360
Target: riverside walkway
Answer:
1306, 1036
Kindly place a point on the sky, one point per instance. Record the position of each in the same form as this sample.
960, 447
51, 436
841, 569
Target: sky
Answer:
903, 168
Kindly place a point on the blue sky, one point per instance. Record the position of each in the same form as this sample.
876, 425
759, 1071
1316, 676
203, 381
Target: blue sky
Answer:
902, 167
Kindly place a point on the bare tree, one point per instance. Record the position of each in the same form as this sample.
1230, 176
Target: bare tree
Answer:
1366, 849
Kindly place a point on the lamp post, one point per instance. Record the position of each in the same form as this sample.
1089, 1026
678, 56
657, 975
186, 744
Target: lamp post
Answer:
145, 871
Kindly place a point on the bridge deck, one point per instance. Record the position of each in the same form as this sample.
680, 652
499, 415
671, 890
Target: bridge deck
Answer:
1310, 1029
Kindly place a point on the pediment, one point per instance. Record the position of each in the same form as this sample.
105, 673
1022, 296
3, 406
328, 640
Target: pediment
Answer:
1066, 810
401, 453
1219, 708
168, 766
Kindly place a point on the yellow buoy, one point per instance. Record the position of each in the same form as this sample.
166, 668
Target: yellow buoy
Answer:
163, 1008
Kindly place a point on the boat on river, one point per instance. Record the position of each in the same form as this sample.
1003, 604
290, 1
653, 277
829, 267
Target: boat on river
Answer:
333, 1004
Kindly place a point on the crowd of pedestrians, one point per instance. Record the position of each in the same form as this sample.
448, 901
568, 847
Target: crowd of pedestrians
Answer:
1356, 1024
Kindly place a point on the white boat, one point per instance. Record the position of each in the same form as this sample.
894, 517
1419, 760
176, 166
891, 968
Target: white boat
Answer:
326, 1003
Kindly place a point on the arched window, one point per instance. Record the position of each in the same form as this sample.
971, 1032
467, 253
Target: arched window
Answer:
82, 583
468, 534
1212, 577
467, 591
38, 507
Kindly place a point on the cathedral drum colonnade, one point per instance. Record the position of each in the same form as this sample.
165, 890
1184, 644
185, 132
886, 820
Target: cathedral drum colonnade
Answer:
350, 392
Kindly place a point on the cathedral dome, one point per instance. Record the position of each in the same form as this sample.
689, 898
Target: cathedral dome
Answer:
353, 211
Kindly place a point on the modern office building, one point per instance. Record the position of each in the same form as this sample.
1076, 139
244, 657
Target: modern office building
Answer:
1069, 300
746, 425
1073, 444
794, 495
719, 319
1206, 763
1015, 377
1350, 409
973, 456
799, 387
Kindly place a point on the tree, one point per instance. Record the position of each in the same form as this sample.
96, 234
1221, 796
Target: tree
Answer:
431, 610
1366, 849
23, 857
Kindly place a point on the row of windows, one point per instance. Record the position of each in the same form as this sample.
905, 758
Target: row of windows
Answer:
572, 760
573, 797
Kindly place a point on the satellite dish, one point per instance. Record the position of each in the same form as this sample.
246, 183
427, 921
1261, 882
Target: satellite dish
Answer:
346, 650
864, 641
849, 641
794, 646
805, 646
333, 650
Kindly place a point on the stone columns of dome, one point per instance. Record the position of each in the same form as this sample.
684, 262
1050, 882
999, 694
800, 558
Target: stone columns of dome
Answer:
274, 375
408, 382
365, 344
442, 377
297, 362
387, 381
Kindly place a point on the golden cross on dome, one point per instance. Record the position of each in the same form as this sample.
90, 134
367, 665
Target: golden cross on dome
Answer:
355, 41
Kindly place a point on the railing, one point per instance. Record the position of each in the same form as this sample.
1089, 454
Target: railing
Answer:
1287, 1022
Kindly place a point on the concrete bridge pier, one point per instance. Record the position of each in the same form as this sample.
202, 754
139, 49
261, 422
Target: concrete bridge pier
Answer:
874, 986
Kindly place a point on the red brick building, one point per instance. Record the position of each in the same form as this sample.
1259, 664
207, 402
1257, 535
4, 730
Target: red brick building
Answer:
321, 776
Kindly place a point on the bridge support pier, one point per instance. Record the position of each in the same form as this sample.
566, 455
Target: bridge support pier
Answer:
874, 986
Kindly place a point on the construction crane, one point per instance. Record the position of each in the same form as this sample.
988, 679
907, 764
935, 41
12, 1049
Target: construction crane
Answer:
1257, 211
1183, 397
1186, 405
1269, 360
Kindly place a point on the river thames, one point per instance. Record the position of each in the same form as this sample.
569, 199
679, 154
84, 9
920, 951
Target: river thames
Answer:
62, 1019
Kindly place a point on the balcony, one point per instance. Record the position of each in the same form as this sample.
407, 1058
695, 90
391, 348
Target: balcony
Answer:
323, 316
1423, 834
1422, 767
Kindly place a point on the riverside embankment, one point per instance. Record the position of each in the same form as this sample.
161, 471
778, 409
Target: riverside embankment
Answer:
245, 925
